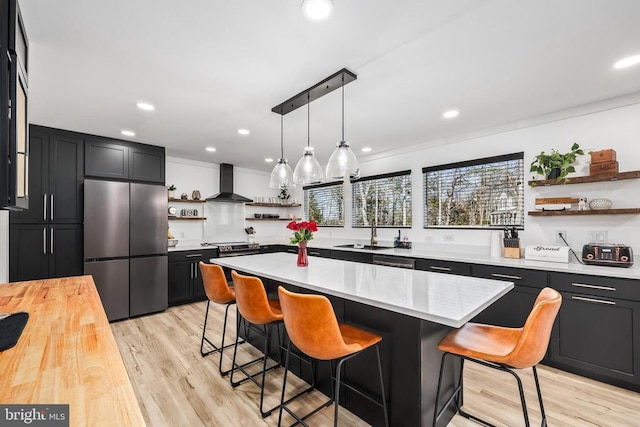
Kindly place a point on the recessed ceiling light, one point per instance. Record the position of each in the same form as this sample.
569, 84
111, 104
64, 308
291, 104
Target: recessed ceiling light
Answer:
210, 149
244, 131
317, 10
627, 62
268, 160
451, 114
366, 149
128, 133
145, 106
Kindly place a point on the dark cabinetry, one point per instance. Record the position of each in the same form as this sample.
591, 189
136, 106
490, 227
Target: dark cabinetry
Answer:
364, 257
597, 333
319, 252
111, 159
46, 239
185, 280
441, 266
513, 308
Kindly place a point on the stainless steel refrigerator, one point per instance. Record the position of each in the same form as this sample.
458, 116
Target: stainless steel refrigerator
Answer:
125, 246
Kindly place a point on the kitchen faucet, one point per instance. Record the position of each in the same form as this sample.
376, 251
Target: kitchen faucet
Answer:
374, 235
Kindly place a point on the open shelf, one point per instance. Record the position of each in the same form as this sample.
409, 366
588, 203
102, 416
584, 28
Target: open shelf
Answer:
273, 219
186, 201
584, 179
274, 205
588, 212
186, 218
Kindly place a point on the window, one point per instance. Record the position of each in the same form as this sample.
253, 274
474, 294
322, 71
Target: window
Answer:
482, 193
385, 199
324, 204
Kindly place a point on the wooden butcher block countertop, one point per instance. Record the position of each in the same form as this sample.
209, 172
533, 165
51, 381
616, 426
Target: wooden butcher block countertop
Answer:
67, 354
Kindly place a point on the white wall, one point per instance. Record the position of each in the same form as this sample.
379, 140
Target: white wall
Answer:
617, 128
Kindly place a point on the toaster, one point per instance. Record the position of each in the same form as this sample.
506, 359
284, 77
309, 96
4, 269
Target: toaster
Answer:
613, 255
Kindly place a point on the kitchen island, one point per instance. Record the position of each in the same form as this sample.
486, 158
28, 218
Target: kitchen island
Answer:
412, 310
67, 354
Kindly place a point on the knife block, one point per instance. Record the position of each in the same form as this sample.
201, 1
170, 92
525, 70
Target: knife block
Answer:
512, 252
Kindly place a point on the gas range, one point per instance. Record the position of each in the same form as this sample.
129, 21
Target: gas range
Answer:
227, 249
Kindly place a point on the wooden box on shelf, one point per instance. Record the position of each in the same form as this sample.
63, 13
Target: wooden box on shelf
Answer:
603, 168
603, 156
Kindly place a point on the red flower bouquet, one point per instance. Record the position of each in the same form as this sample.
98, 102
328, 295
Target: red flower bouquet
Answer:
303, 231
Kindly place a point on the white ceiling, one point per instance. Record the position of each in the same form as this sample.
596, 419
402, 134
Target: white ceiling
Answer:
211, 67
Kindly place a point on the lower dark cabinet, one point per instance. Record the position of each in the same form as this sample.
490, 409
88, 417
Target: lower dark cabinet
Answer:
364, 257
185, 279
319, 252
40, 251
598, 337
511, 310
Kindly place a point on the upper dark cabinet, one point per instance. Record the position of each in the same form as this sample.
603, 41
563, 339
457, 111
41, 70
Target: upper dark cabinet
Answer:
146, 163
122, 160
106, 159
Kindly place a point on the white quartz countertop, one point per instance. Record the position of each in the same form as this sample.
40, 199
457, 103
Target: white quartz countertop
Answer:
479, 257
442, 298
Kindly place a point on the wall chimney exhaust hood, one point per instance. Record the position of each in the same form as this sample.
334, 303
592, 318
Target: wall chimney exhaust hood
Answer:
226, 193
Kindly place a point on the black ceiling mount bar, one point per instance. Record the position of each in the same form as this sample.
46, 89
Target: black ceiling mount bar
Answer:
331, 83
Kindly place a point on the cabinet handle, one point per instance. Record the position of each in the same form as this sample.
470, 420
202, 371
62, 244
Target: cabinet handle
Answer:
194, 255
602, 288
433, 267
506, 276
314, 253
292, 251
44, 207
195, 270
52, 239
44, 241
597, 301
51, 206
190, 271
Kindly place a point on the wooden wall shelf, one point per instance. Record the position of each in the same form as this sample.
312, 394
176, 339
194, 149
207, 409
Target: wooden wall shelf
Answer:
186, 218
587, 212
274, 205
584, 179
186, 201
273, 219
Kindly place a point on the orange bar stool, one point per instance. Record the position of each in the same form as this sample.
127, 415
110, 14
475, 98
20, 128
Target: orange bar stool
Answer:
503, 349
219, 292
260, 314
313, 328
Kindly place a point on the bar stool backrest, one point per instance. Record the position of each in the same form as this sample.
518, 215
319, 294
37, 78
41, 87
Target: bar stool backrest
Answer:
312, 325
252, 301
215, 284
534, 338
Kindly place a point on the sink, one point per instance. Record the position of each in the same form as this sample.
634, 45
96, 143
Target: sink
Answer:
374, 248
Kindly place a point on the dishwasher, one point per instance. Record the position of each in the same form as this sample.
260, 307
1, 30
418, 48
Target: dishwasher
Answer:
394, 261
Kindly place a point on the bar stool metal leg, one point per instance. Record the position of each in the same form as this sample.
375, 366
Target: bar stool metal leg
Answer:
222, 347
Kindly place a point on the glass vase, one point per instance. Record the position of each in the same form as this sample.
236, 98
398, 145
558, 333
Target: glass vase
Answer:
303, 260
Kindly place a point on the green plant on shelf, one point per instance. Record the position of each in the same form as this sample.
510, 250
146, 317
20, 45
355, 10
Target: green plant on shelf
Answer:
556, 165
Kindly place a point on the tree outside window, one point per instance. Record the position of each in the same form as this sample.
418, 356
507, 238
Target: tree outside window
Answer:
383, 200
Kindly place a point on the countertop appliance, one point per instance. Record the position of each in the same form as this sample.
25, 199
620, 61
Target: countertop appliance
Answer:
613, 255
125, 246
227, 249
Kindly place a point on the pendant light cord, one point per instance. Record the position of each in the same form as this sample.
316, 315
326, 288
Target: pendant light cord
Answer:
282, 136
343, 106
308, 121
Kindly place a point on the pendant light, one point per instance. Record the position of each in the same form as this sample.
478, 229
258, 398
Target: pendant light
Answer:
342, 162
308, 169
281, 176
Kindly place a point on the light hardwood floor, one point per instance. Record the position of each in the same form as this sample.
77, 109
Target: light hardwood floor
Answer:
175, 386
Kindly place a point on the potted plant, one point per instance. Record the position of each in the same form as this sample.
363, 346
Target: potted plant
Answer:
555, 165
284, 196
171, 190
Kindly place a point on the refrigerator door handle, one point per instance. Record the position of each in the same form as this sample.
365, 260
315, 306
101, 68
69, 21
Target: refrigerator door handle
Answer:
51, 206
44, 207
44, 240
52, 239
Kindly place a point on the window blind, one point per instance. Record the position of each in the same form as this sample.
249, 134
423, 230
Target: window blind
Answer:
383, 199
481, 193
324, 204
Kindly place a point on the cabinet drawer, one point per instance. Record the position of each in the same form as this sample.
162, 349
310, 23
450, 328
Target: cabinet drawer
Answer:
519, 276
607, 287
352, 256
439, 266
193, 255
324, 253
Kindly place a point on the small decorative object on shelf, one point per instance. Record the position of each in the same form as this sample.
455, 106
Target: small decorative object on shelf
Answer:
582, 204
184, 196
303, 232
555, 165
603, 162
171, 190
600, 204
284, 196
195, 195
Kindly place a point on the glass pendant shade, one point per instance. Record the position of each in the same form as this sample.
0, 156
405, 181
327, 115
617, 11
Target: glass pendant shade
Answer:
342, 163
308, 169
281, 176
